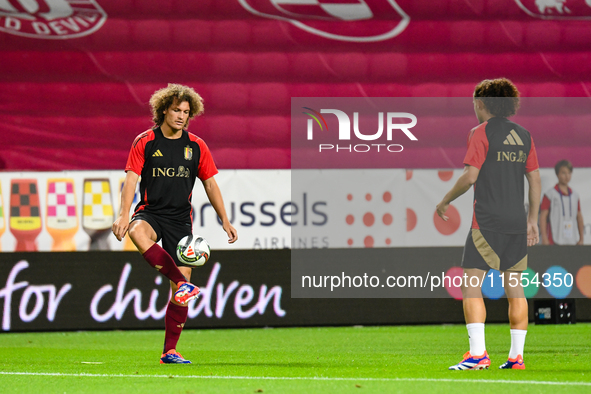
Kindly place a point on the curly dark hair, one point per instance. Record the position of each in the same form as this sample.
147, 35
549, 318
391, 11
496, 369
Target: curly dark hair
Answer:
163, 98
500, 96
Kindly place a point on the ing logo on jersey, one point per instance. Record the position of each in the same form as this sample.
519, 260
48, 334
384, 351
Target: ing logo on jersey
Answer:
182, 172
556, 9
343, 20
513, 157
51, 19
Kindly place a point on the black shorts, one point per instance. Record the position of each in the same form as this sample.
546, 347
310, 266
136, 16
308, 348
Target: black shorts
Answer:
488, 249
170, 232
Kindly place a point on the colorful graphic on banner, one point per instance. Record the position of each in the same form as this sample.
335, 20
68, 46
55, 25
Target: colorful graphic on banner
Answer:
347, 208
97, 212
424, 189
25, 216
62, 220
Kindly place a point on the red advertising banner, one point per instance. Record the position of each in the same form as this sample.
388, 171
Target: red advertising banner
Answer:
48, 292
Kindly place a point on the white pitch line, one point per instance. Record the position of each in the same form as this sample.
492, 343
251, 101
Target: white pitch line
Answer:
320, 378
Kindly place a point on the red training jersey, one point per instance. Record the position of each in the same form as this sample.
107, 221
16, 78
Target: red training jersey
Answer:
168, 169
504, 152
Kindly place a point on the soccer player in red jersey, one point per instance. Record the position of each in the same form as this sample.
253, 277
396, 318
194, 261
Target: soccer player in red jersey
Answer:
169, 159
500, 153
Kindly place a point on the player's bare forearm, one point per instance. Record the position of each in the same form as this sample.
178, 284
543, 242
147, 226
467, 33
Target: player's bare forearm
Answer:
127, 192
214, 195
535, 191
462, 185
121, 224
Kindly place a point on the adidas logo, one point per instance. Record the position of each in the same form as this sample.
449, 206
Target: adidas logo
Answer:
159, 154
513, 139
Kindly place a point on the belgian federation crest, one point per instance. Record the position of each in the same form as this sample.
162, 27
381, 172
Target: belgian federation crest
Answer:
188, 152
556, 9
51, 19
343, 20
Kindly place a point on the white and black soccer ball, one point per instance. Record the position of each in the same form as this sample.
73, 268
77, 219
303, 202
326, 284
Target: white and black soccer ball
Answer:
193, 250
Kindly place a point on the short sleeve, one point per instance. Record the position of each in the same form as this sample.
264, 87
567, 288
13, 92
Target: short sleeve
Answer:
532, 159
207, 167
477, 147
545, 203
136, 159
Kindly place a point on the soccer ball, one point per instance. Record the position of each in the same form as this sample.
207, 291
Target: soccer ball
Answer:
193, 250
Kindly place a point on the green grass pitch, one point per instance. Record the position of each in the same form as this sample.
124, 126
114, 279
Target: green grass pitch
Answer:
404, 359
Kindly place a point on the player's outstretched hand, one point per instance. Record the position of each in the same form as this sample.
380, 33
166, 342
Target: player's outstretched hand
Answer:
231, 231
441, 209
533, 235
120, 227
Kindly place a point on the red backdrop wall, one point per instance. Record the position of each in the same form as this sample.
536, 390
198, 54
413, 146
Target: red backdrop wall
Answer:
74, 87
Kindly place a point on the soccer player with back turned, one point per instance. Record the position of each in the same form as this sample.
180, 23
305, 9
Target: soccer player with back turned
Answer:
169, 159
500, 153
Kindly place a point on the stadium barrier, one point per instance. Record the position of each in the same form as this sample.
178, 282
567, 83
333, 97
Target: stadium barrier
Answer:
46, 291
